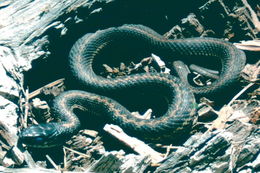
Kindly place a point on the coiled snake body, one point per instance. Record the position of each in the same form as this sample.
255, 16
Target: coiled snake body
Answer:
181, 111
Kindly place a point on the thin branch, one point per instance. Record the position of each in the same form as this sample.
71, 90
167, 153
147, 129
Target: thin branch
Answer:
240, 93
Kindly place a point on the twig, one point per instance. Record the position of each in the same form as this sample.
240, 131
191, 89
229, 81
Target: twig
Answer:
137, 145
240, 93
168, 149
29, 160
74, 151
38, 91
26, 108
255, 20
251, 45
52, 162
64, 158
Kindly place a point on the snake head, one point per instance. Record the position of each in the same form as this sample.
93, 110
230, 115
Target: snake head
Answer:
41, 136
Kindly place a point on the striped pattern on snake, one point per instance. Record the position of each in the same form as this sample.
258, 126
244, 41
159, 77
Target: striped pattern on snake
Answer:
181, 113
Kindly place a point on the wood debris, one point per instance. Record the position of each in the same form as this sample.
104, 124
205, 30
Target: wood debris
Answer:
138, 146
252, 45
226, 138
251, 72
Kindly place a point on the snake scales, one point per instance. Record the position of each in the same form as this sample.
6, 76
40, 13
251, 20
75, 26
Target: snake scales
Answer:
181, 111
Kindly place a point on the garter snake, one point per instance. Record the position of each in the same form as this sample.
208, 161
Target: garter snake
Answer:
181, 112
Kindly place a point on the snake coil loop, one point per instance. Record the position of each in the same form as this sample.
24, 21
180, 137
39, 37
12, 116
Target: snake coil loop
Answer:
181, 112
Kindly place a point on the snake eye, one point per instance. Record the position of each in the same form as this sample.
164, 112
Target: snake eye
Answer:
38, 139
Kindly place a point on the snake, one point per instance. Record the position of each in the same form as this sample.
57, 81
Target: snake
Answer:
181, 112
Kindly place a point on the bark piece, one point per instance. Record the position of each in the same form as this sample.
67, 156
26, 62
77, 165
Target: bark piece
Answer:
219, 151
113, 163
